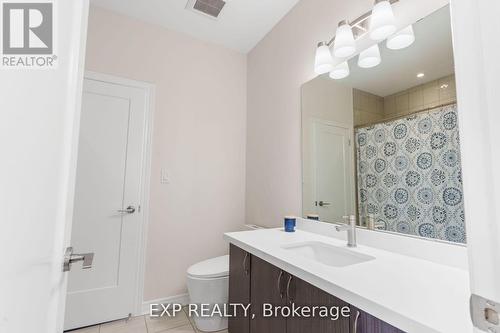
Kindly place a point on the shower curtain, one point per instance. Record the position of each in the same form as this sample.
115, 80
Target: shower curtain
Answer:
409, 175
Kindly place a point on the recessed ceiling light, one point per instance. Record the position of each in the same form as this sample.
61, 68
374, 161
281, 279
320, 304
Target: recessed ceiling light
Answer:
444, 86
420, 75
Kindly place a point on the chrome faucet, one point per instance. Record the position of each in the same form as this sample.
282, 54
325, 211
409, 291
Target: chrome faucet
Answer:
350, 227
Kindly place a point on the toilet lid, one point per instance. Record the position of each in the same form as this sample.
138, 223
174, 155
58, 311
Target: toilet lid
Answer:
211, 268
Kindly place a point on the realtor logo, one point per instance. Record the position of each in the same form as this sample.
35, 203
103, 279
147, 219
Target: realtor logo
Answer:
27, 34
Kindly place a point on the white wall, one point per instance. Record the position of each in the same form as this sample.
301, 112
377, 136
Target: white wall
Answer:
199, 136
277, 67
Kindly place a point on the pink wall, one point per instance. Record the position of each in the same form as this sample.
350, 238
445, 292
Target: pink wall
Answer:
199, 136
277, 67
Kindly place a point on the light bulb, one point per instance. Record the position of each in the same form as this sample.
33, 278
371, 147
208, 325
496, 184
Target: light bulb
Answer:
382, 20
323, 62
340, 71
401, 39
370, 57
345, 45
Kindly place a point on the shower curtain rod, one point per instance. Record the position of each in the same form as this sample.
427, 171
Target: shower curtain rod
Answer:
405, 116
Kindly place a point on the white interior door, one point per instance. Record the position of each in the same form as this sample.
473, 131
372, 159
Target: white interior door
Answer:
39, 115
332, 171
107, 217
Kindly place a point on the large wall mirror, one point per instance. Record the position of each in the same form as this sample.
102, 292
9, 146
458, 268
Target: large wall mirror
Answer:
383, 143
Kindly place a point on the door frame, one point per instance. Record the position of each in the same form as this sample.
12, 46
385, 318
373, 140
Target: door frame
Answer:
149, 107
476, 52
314, 121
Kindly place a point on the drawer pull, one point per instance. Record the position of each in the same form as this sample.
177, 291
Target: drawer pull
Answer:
290, 300
245, 269
355, 328
279, 284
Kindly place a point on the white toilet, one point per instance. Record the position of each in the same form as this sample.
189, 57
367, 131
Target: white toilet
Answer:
208, 283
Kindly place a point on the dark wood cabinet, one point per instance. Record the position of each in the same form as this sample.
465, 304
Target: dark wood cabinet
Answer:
272, 285
255, 281
363, 322
304, 294
239, 287
267, 283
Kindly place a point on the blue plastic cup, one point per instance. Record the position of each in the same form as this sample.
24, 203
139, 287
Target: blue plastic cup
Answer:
290, 223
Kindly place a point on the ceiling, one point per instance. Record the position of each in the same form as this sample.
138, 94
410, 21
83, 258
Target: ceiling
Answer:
431, 54
240, 26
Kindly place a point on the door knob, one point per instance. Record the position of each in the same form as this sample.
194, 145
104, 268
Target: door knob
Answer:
128, 210
70, 258
324, 203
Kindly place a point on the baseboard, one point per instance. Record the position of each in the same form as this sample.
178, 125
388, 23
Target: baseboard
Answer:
179, 299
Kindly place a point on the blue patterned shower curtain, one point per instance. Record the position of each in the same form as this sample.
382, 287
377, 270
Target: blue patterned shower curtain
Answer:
409, 175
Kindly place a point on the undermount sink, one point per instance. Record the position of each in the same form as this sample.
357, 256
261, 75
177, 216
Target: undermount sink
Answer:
328, 254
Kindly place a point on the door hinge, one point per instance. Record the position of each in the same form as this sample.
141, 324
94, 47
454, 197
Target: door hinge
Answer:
485, 314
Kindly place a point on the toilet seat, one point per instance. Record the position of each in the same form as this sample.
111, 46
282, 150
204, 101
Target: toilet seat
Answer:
211, 268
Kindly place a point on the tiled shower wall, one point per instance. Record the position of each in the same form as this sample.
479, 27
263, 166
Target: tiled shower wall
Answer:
409, 175
432, 94
370, 108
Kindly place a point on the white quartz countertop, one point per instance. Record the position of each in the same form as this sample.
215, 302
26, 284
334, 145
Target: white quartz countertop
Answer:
413, 294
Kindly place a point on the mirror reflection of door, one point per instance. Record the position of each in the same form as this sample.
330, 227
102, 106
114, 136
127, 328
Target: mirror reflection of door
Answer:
332, 171
404, 113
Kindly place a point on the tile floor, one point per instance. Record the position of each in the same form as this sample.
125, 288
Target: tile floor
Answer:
145, 324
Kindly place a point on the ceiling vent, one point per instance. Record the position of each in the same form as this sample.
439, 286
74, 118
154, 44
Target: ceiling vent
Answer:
210, 8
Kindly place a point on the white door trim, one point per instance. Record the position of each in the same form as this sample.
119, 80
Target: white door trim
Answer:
149, 106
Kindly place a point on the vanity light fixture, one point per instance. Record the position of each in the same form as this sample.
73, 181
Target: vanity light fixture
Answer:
340, 71
382, 23
378, 23
370, 57
401, 39
323, 62
344, 45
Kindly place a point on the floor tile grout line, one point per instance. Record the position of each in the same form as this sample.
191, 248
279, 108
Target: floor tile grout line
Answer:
192, 326
166, 330
190, 320
145, 323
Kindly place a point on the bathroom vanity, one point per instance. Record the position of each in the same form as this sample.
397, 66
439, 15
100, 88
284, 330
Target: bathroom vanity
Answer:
386, 292
250, 279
